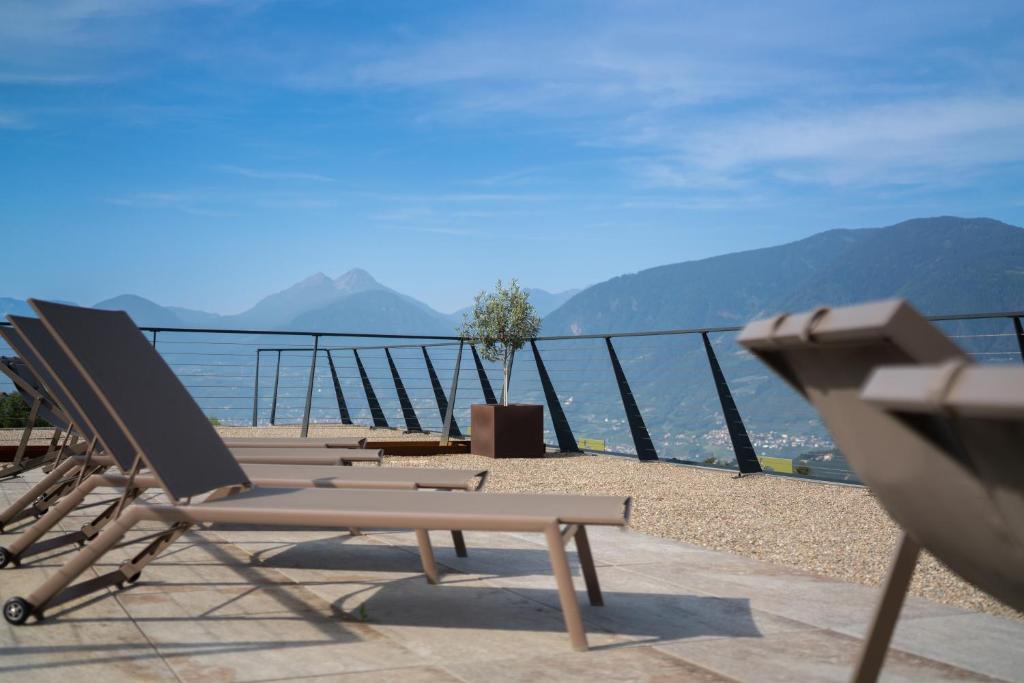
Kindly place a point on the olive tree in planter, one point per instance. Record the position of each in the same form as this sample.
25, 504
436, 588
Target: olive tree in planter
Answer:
501, 323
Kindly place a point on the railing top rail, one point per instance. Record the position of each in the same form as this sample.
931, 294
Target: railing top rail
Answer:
290, 333
306, 349
601, 335
737, 328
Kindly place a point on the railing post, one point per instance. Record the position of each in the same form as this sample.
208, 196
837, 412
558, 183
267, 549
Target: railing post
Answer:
563, 432
442, 402
641, 437
256, 388
485, 384
412, 423
309, 387
1020, 336
277, 382
371, 397
746, 458
449, 414
342, 407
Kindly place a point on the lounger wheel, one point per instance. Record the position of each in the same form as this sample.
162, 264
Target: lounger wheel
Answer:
6, 557
17, 611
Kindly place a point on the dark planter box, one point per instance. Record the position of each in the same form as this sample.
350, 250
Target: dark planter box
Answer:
512, 431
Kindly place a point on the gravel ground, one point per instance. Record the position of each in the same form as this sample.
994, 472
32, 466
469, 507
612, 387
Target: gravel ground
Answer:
835, 531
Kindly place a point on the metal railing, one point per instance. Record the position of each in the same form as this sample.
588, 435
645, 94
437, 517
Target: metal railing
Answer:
686, 395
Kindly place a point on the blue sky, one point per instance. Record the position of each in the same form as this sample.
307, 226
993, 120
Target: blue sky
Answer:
204, 153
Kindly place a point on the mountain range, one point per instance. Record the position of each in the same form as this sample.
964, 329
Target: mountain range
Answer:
354, 301
942, 265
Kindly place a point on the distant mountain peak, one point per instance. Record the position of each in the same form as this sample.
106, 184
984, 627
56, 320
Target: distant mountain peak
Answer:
315, 280
356, 280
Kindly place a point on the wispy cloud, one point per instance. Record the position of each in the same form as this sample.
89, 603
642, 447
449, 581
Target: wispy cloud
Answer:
10, 78
185, 202
13, 121
221, 202
259, 174
904, 142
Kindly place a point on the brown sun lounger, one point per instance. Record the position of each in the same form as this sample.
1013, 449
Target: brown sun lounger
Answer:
294, 442
28, 542
307, 456
828, 355
41, 406
71, 387
975, 415
35, 371
183, 453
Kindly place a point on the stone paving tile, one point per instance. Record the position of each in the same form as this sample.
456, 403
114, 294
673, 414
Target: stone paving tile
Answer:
642, 609
806, 656
814, 600
975, 641
638, 664
420, 674
88, 637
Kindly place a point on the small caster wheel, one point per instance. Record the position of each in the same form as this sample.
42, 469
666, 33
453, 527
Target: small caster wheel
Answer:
17, 611
5, 557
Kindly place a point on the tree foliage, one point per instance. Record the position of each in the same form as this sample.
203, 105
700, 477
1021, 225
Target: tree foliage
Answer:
501, 323
14, 412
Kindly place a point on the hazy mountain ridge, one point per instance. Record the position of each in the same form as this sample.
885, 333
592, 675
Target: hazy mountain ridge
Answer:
354, 301
942, 265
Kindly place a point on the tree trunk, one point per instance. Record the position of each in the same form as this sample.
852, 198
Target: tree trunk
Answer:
504, 383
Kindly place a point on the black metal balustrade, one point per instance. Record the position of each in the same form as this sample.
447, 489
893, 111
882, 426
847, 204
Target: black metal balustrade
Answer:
659, 395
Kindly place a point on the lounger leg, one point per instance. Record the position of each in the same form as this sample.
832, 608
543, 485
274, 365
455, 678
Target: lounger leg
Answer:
566, 591
65, 505
460, 543
901, 571
427, 555
587, 565
153, 550
80, 562
41, 487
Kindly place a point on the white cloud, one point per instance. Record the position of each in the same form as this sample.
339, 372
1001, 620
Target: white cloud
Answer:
275, 175
899, 143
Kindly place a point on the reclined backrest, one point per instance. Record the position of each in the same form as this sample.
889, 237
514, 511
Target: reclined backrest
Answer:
168, 430
977, 412
71, 390
934, 494
50, 409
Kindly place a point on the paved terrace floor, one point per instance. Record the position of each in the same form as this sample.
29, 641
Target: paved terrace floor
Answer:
234, 604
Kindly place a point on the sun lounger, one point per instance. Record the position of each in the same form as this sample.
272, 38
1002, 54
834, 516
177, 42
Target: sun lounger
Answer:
73, 390
42, 362
975, 415
185, 456
827, 355
40, 407
307, 456
295, 442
